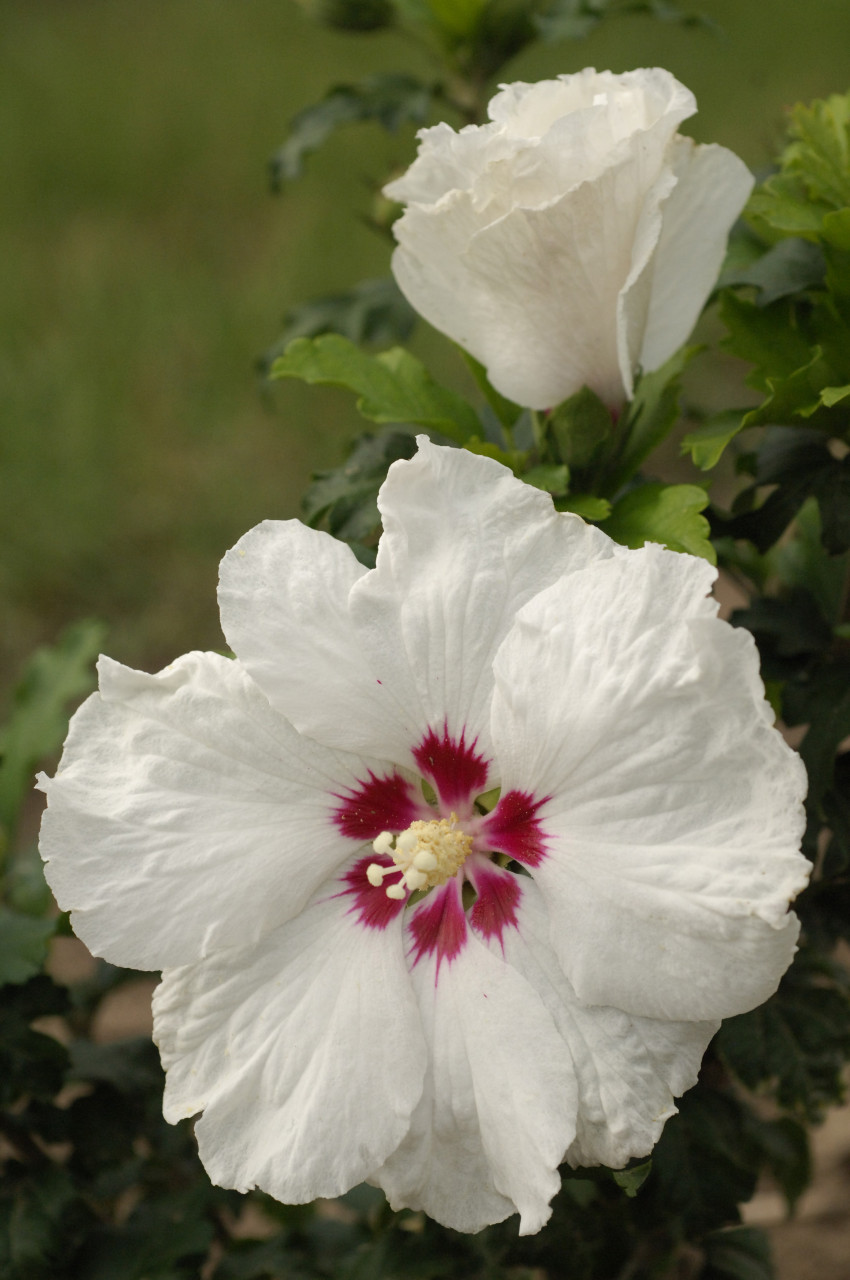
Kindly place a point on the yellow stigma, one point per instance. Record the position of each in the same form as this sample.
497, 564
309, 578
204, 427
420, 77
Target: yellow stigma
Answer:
427, 854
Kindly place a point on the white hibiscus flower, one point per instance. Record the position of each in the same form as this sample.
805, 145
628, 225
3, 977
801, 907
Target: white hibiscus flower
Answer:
370, 973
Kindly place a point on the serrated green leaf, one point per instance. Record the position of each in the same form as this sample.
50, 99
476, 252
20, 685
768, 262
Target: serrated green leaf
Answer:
783, 204
549, 478
374, 311
798, 1040
767, 337
820, 153
707, 442
390, 99
391, 387
23, 945
669, 514
585, 505
347, 496
38, 722
705, 1163
631, 1180
650, 417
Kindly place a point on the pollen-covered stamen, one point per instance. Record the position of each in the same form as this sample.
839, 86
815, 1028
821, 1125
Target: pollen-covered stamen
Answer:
428, 853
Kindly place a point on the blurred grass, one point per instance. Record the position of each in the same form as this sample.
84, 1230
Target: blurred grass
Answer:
144, 267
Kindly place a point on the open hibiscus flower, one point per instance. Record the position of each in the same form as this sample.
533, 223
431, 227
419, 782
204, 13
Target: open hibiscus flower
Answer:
453, 872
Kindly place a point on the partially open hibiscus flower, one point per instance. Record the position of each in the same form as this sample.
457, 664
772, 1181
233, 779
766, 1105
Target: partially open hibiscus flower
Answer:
454, 870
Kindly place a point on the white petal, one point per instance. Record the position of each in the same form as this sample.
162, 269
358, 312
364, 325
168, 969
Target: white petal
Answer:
305, 1052
712, 188
283, 594
186, 815
635, 297
674, 810
628, 1070
409, 645
534, 294
498, 1108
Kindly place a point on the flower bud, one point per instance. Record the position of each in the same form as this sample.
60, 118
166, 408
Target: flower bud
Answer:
574, 238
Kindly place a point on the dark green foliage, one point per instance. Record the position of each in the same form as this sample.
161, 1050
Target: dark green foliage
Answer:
38, 720
374, 312
575, 19
391, 100
346, 497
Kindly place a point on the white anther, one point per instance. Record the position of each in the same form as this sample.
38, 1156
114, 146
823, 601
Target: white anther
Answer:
407, 842
415, 879
383, 843
396, 891
376, 873
424, 860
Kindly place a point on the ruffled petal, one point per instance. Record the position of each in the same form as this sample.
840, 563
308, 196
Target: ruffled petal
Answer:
534, 294
712, 187
186, 814
628, 1070
304, 1052
284, 599
498, 1108
465, 544
669, 810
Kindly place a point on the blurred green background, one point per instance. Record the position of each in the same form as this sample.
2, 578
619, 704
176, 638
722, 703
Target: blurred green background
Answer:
145, 266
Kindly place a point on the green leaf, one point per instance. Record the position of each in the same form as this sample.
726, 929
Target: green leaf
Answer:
834, 395
514, 459
782, 204
820, 153
392, 387
798, 462
669, 514
23, 945
389, 99
578, 427
347, 496
128, 1066
550, 478
52, 679
785, 1146
650, 417
457, 18
705, 1163
737, 1253
798, 1041
787, 267
586, 506
768, 337
706, 442
505, 410
374, 311
353, 15
631, 1180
